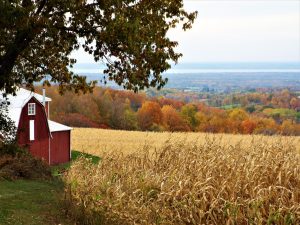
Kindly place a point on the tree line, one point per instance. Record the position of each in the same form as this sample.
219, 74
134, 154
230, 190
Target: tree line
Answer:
115, 109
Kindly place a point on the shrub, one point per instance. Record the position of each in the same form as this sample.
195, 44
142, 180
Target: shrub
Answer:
23, 165
10, 149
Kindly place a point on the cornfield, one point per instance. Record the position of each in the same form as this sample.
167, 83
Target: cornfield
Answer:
251, 181
101, 141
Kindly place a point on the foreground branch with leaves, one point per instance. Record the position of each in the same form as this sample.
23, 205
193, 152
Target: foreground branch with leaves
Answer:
129, 36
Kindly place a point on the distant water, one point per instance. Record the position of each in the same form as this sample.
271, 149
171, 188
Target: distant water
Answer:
208, 67
224, 81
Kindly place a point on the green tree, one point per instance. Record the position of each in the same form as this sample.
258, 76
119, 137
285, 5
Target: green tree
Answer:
188, 112
130, 36
105, 107
130, 119
7, 126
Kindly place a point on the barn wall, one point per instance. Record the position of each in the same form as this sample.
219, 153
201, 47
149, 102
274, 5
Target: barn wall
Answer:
40, 146
60, 147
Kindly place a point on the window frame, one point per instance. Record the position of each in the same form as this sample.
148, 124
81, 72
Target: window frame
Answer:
31, 109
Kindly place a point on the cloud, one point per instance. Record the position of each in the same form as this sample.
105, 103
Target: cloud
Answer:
242, 31
238, 31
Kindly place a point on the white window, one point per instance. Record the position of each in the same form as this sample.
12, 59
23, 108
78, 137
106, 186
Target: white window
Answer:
31, 109
31, 130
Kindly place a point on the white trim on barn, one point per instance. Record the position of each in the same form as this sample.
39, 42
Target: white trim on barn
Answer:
31, 130
31, 109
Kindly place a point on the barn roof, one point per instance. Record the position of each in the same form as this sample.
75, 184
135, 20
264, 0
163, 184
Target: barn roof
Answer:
57, 126
22, 97
17, 102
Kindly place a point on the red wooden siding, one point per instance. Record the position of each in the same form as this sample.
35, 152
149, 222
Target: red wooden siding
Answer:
39, 147
57, 144
60, 147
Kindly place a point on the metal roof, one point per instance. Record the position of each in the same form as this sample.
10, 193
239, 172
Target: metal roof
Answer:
17, 102
57, 126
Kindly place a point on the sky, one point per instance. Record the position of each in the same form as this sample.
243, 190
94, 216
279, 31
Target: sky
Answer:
237, 31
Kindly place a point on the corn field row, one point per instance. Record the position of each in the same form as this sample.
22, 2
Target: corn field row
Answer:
185, 182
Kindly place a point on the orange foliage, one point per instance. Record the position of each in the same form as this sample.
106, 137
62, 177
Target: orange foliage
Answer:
167, 101
172, 120
248, 126
149, 114
77, 120
288, 127
130, 111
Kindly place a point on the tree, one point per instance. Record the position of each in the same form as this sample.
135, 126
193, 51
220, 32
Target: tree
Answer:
238, 115
76, 120
130, 119
266, 126
105, 106
149, 115
188, 112
288, 127
295, 103
172, 120
129, 36
248, 126
7, 126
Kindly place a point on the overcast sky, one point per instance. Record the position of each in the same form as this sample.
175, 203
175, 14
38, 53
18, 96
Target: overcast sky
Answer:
238, 31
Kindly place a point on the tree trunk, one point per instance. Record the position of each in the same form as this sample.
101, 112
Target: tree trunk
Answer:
8, 60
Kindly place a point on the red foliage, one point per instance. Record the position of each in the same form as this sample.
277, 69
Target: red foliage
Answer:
248, 126
77, 120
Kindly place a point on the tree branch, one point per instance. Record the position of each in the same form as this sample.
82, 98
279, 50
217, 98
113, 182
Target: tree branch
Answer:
41, 6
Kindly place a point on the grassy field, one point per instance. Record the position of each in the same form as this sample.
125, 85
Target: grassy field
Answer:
98, 141
31, 203
36, 202
190, 179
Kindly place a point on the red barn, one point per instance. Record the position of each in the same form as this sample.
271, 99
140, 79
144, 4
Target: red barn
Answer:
44, 138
